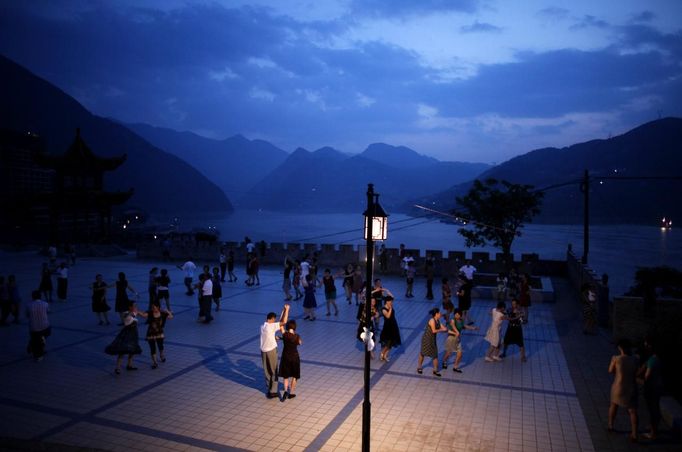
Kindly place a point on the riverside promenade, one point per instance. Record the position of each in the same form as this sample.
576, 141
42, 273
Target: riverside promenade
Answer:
210, 393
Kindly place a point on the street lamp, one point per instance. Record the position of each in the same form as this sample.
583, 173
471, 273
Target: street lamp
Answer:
376, 227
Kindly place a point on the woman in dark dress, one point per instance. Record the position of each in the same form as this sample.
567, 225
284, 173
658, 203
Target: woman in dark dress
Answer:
217, 293
390, 334
348, 282
122, 301
514, 333
99, 300
46, 283
127, 340
290, 363
156, 321
309, 302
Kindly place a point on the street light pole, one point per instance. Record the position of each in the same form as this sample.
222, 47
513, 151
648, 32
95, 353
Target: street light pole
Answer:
366, 405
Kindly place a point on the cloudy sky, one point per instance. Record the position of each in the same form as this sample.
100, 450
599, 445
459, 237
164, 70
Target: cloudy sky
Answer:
467, 80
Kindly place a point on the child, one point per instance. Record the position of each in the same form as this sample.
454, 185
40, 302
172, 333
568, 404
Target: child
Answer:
329, 291
454, 341
501, 287
514, 333
156, 319
409, 278
493, 334
290, 363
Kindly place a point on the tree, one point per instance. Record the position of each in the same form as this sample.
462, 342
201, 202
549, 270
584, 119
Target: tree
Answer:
497, 211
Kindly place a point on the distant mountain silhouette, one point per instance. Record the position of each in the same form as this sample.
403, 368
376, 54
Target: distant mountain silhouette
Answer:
234, 164
397, 156
331, 181
163, 183
650, 150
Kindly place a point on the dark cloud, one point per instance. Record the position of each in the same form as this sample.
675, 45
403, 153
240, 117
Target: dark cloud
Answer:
644, 16
480, 27
554, 12
396, 8
589, 21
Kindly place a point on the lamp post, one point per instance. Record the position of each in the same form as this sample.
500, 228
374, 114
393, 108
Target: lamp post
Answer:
376, 226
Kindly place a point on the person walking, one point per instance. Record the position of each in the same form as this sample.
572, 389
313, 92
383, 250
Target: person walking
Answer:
14, 297
38, 325
99, 300
358, 284
268, 349
409, 279
446, 292
524, 295
156, 323
501, 282
122, 301
290, 365
127, 341
624, 387
230, 267
464, 298
390, 333
429, 346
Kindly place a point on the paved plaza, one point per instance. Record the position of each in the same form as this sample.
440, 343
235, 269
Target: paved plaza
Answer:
210, 394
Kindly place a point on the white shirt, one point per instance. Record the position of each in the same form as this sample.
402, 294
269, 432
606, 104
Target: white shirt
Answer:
189, 267
305, 269
207, 288
250, 247
63, 273
267, 336
468, 271
406, 261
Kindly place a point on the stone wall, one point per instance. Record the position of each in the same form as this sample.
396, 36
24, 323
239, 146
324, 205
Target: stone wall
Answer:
633, 319
579, 274
338, 256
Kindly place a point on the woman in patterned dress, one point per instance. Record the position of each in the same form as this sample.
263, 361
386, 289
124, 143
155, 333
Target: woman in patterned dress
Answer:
156, 321
429, 347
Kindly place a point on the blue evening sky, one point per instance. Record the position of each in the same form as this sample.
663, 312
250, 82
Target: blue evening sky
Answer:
467, 80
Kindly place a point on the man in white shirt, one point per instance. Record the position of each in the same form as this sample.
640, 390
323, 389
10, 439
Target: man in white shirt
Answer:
468, 270
305, 267
188, 267
268, 349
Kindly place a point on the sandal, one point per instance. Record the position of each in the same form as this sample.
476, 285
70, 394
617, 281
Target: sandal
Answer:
419, 371
437, 374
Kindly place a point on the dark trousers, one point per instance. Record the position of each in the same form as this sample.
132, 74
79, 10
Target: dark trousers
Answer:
62, 284
223, 269
429, 289
36, 344
153, 343
188, 284
205, 308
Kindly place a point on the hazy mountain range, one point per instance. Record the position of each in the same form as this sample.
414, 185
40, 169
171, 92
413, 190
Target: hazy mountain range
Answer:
176, 172
163, 182
632, 177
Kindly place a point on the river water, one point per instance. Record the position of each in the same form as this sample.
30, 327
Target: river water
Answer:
614, 249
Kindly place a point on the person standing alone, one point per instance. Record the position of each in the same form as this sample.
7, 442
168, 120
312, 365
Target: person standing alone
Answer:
38, 324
